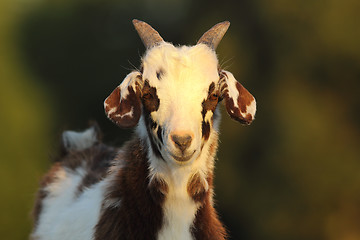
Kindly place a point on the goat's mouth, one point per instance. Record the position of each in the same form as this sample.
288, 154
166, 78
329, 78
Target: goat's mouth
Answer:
182, 158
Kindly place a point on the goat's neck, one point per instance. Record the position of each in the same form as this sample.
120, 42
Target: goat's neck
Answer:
179, 177
186, 189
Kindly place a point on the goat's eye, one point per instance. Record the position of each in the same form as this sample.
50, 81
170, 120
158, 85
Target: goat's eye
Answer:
214, 97
147, 95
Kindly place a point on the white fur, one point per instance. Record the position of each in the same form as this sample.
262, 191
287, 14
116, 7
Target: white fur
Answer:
129, 80
129, 114
208, 116
187, 75
65, 215
251, 108
112, 110
79, 140
233, 92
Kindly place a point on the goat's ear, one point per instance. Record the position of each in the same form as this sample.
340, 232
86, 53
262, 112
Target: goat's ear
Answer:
240, 104
123, 105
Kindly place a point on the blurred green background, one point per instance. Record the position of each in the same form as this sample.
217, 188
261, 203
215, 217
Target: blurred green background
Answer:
293, 174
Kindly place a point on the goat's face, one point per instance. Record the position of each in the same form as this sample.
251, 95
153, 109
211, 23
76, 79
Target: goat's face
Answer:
179, 99
175, 97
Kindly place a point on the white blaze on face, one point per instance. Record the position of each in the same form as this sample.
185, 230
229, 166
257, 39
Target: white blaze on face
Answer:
182, 77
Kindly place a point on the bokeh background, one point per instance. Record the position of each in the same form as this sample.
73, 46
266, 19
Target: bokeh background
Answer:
293, 174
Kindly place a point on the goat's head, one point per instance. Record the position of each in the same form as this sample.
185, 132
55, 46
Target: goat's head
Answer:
176, 93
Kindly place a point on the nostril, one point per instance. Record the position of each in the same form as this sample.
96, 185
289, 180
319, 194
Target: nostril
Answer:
182, 142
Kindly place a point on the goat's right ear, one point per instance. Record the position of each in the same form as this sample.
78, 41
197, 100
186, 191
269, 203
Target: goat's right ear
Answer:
123, 105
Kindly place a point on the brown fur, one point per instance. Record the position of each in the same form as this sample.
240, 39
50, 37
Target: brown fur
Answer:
150, 98
205, 129
196, 189
139, 215
207, 225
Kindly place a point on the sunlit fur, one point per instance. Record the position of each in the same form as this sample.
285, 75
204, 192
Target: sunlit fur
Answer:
187, 74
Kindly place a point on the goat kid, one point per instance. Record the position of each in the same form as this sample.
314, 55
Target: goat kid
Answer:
160, 184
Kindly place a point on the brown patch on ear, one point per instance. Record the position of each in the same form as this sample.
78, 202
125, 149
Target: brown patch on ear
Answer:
234, 112
244, 100
124, 112
196, 188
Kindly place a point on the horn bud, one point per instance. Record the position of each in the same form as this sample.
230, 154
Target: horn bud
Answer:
214, 35
149, 36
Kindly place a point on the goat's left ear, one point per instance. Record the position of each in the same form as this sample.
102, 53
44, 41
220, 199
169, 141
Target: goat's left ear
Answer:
123, 105
240, 104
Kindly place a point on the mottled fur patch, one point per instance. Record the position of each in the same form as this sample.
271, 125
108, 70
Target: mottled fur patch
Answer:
196, 188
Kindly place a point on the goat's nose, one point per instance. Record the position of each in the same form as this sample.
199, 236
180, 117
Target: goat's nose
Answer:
181, 141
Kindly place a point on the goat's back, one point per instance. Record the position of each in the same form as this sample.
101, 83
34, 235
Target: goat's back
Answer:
70, 196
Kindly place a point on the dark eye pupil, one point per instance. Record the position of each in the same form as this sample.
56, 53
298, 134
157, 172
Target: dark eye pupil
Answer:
214, 96
147, 95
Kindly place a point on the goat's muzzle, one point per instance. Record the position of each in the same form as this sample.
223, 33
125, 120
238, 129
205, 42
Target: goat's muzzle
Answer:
182, 142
